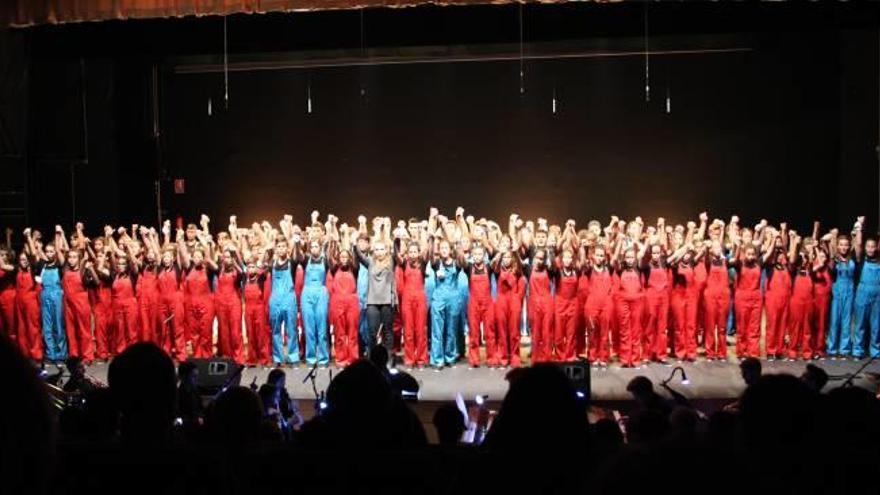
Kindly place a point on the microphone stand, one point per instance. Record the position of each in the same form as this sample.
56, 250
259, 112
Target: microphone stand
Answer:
319, 397
855, 374
228, 382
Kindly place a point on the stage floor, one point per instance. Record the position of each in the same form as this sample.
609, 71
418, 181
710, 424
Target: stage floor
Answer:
708, 379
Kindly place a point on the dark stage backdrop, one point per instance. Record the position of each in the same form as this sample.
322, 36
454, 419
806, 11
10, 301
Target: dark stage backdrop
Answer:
757, 133
786, 130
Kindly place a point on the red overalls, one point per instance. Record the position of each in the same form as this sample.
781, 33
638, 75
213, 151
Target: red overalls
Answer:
716, 301
480, 309
256, 321
148, 305
683, 304
776, 301
566, 305
102, 303
508, 312
125, 313
701, 274
822, 285
227, 306
345, 313
540, 312
7, 305
200, 312
800, 315
77, 315
657, 299
414, 310
629, 303
28, 324
580, 329
747, 306
599, 313
171, 331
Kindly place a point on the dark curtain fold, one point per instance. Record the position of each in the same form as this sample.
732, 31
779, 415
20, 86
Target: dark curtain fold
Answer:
23, 13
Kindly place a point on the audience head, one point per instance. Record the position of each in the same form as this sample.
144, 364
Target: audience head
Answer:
750, 369
778, 411
815, 377
142, 383
379, 356
188, 374
540, 409
449, 423
235, 418
277, 378
640, 387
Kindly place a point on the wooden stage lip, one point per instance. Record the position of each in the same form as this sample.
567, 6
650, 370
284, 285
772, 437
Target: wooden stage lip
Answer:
708, 379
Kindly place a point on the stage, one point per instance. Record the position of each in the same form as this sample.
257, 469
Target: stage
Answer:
708, 380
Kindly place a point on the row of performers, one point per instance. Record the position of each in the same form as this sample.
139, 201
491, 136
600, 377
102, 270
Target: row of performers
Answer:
626, 290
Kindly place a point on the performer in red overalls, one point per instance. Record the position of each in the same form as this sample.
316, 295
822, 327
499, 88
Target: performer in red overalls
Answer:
227, 306
747, 302
28, 324
256, 322
77, 311
599, 306
716, 301
657, 281
125, 307
345, 311
684, 300
413, 307
566, 305
480, 309
629, 303
583, 293
198, 284
822, 286
801, 308
7, 295
171, 330
101, 297
148, 298
511, 288
776, 301
540, 307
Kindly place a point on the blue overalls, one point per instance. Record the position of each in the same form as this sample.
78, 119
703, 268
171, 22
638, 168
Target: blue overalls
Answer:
838, 341
868, 308
282, 310
363, 281
52, 311
314, 311
444, 315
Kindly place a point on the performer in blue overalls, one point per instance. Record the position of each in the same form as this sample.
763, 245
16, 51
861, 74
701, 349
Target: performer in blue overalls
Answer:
838, 341
315, 300
444, 307
282, 306
51, 305
867, 301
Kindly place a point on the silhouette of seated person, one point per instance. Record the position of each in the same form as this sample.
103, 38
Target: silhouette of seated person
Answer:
234, 421
143, 385
449, 424
642, 391
288, 407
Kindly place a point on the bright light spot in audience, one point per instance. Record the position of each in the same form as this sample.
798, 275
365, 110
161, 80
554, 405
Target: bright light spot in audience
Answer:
580, 394
322, 405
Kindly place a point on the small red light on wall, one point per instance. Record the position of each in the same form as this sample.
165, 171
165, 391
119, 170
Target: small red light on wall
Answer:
179, 186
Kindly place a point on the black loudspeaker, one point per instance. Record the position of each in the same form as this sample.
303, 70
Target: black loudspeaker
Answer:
216, 373
578, 372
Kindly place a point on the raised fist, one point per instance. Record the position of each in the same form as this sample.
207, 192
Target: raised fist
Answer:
433, 212
108, 230
315, 215
59, 229
518, 223
459, 212
783, 226
204, 220
614, 219
704, 217
734, 219
569, 223
121, 230
27, 232
79, 226
691, 225
287, 218
362, 220
661, 221
860, 220
232, 219
469, 219
639, 221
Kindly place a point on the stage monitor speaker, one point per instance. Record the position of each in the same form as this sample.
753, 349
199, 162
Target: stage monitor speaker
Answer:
578, 372
214, 373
